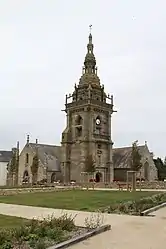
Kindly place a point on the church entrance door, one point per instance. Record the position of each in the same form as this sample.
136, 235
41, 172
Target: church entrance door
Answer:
98, 177
53, 177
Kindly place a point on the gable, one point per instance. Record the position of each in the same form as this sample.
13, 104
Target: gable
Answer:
49, 155
122, 156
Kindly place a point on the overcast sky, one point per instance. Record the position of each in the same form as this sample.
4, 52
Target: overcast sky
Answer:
42, 49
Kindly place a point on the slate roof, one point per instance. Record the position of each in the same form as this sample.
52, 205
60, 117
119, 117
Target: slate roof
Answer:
5, 156
49, 155
122, 156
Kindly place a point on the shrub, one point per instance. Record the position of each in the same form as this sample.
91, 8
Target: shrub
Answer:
123, 208
94, 221
65, 222
38, 234
137, 206
56, 234
7, 245
38, 244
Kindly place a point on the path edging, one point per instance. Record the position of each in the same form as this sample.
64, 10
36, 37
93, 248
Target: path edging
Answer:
81, 237
152, 209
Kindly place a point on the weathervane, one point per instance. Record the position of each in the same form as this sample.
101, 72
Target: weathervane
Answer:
90, 28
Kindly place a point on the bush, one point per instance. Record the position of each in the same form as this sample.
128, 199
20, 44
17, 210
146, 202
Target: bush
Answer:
65, 222
38, 234
94, 221
136, 207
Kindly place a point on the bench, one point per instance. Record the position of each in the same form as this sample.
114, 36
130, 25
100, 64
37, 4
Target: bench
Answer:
124, 185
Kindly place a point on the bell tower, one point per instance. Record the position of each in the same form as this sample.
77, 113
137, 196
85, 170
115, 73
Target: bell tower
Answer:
88, 130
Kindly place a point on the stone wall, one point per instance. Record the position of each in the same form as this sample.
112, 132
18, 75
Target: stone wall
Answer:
15, 191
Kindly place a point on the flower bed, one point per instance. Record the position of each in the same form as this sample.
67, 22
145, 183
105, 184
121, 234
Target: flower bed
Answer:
57, 232
40, 234
7, 192
135, 207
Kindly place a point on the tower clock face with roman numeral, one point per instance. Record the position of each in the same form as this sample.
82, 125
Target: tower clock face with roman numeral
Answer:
98, 121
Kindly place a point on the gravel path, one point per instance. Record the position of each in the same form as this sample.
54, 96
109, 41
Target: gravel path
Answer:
127, 232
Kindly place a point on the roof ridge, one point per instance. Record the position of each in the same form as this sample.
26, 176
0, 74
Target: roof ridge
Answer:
51, 145
5, 150
127, 147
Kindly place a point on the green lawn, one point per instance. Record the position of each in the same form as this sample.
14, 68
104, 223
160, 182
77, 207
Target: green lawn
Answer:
10, 221
74, 199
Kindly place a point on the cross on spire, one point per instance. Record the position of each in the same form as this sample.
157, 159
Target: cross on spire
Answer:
90, 28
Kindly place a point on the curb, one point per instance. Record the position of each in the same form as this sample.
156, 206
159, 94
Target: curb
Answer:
150, 210
81, 237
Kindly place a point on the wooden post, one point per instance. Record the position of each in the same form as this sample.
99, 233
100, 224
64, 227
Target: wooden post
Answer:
127, 181
140, 181
133, 180
93, 176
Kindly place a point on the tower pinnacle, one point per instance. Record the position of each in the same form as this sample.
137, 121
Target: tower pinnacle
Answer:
90, 61
89, 72
90, 28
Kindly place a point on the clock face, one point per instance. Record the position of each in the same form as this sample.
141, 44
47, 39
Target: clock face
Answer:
97, 121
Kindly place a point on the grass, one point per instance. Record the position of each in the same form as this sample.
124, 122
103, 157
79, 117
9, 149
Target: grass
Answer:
74, 199
10, 221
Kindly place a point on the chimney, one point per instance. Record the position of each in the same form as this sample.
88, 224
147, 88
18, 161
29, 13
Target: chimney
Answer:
27, 139
152, 155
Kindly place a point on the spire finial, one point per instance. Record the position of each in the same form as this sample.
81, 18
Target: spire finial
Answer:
27, 139
90, 36
90, 28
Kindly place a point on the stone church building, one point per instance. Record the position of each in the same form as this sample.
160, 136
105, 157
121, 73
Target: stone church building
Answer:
88, 132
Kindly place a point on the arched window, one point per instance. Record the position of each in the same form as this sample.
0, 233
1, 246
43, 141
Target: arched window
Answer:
27, 158
78, 120
25, 174
78, 123
146, 171
25, 177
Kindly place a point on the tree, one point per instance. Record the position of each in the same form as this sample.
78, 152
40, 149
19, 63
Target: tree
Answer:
164, 163
89, 164
89, 168
34, 168
161, 168
12, 167
13, 163
135, 157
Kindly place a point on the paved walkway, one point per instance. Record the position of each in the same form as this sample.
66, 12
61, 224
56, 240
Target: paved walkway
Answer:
161, 213
67, 187
115, 189
127, 232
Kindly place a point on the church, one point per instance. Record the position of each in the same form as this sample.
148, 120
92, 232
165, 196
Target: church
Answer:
89, 111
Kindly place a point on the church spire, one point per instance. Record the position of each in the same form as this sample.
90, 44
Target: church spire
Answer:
90, 61
89, 72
